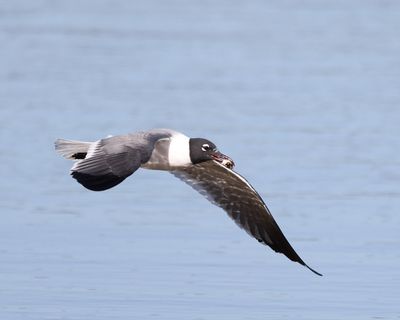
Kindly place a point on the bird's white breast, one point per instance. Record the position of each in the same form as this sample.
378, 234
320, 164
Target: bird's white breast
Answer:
179, 151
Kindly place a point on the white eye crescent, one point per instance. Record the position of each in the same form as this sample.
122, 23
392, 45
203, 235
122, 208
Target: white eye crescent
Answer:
205, 147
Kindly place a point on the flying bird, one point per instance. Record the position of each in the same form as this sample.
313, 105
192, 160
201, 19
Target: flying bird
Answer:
102, 164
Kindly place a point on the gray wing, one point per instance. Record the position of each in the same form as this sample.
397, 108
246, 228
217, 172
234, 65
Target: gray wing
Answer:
230, 191
111, 160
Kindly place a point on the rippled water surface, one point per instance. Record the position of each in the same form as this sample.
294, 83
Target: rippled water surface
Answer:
303, 95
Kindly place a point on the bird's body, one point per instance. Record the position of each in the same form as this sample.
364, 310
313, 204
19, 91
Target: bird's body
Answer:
102, 164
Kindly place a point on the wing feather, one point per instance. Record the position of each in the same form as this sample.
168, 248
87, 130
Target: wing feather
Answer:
111, 160
230, 191
103, 169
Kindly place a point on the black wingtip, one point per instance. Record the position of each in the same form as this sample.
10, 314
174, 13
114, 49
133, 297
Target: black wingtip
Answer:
97, 183
317, 273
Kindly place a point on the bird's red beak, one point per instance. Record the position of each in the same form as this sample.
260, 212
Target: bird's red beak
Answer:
223, 159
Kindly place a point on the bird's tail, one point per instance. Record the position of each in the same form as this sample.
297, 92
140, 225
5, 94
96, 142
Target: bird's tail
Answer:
72, 149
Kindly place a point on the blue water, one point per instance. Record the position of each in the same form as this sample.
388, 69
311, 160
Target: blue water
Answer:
303, 95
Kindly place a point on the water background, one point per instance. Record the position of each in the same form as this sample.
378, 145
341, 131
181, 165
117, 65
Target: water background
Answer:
303, 95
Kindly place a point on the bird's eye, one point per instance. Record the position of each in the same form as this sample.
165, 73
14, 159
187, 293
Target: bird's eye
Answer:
205, 147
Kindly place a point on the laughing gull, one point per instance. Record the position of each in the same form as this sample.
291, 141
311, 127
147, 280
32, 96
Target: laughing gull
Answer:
104, 163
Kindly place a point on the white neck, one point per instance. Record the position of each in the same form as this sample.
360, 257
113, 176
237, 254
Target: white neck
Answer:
179, 151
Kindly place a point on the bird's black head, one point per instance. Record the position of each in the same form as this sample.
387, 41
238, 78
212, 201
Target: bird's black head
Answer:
204, 150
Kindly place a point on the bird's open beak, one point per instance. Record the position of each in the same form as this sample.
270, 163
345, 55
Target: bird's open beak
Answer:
223, 159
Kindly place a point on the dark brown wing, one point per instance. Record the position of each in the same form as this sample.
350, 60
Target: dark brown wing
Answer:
230, 191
